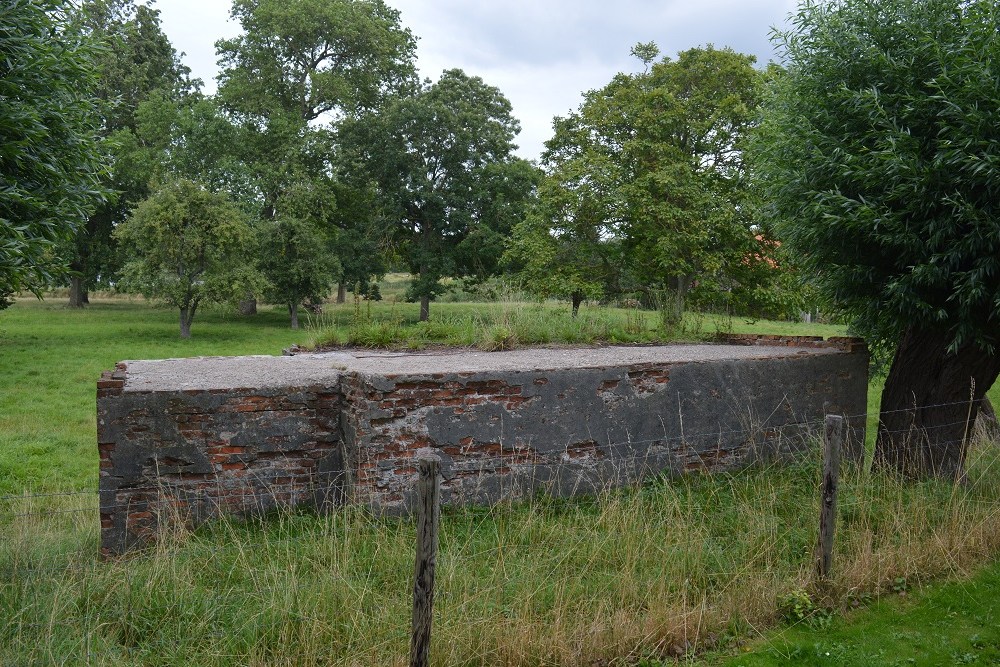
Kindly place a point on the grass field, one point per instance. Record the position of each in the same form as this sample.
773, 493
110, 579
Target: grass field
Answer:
51, 357
630, 577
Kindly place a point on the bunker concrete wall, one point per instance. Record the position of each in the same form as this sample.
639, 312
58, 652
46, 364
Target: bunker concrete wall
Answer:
184, 440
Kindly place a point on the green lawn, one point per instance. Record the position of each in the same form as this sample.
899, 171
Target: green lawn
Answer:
957, 623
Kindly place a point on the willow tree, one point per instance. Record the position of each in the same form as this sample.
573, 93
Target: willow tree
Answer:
881, 162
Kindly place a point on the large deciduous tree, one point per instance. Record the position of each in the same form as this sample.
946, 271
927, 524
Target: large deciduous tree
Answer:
436, 156
49, 163
565, 246
136, 61
299, 68
188, 246
881, 160
653, 164
189, 138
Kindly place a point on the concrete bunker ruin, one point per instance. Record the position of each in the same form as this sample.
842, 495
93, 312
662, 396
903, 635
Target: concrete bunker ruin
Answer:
190, 439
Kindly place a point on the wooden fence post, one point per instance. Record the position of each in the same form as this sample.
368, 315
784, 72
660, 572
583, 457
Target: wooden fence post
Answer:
428, 518
833, 437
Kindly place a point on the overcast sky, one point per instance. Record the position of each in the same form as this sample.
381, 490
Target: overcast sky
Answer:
541, 53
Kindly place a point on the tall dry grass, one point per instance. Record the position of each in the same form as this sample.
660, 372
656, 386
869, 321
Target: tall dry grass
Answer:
643, 573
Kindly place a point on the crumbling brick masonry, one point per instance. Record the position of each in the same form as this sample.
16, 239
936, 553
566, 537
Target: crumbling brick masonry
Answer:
185, 439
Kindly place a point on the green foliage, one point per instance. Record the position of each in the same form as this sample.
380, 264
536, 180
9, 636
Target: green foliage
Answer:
442, 161
646, 187
136, 61
361, 241
187, 246
297, 261
565, 246
188, 138
799, 606
298, 69
309, 58
502, 200
493, 326
881, 164
50, 164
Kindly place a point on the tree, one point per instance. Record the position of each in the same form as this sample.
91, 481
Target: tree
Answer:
50, 164
189, 138
434, 155
136, 61
879, 156
652, 166
564, 247
361, 240
298, 69
298, 259
187, 246
506, 193
309, 58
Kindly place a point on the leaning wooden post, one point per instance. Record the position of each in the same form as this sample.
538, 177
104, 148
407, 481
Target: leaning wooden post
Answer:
833, 437
428, 518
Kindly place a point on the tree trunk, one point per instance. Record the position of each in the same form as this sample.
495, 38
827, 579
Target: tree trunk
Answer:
248, 306
77, 294
577, 298
425, 308
187, 314
293, 311
989, 428
341, 292
930, 403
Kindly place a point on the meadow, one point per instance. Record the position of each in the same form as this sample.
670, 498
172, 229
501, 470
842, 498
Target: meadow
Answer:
678, 568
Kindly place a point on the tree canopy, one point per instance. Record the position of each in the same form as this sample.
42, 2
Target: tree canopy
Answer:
135, 62
647, 183
50, 163
308, 58
301, 67
880, 161
436, 157
188, 246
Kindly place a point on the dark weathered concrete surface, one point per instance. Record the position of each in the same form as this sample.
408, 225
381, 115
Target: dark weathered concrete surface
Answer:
192, 437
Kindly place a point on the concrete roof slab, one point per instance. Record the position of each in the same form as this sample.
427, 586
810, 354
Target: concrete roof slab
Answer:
301, 370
